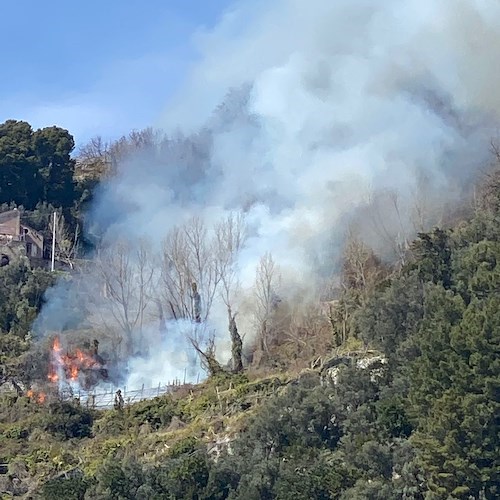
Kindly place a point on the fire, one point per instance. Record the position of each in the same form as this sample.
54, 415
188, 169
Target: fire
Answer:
73, 372
68, 366
55, 361
73, 363
56, 344
39, 397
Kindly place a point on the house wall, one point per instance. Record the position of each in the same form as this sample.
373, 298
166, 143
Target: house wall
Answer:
34, 242
17, 240
10, 223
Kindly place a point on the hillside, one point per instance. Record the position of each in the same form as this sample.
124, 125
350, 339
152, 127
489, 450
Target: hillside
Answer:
400, 401
250, 250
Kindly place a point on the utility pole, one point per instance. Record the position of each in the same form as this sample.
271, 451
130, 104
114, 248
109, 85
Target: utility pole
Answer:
52, 267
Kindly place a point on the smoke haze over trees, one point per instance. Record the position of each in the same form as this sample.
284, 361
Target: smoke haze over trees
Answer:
355, 125
328, 133
312, 224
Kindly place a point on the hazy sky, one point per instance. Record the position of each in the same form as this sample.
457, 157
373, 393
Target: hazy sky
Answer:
98, 66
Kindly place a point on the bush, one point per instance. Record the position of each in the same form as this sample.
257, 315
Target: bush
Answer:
68, 420
72, 488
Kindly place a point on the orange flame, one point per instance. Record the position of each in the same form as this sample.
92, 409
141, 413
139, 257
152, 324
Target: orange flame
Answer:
68, 366
56, 344
56, 348
38, 397
73, 372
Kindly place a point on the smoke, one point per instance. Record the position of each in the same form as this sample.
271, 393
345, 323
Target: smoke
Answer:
309, 117
339, 101
169, 360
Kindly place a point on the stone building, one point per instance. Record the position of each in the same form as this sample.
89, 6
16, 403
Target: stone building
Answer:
18, 240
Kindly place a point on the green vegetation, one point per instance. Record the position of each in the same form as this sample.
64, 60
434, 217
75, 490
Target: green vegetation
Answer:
36, 166
414, 413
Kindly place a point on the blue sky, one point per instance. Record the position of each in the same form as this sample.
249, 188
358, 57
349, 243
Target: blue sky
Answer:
97, 67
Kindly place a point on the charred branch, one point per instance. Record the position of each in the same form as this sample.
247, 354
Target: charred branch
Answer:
207, 357
236, 343
196, 303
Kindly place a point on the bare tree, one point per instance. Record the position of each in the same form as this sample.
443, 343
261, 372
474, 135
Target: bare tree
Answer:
306, 329
95, 150
230, 236
189, 273
175, 278
66, 243
266, 299
198, 264
127, 276
99, 157
361, 268
421, 210
136, 141
95, 157
196, 261
388, 222
206, 350
190, 277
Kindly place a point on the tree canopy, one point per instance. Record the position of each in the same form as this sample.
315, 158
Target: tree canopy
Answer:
36, 165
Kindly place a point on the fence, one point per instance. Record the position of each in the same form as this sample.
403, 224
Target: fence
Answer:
104, 400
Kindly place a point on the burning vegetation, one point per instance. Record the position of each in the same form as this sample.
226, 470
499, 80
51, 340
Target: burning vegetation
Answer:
86, 369
36, 396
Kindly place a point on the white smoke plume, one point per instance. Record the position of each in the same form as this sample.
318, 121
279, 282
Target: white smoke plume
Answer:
309, 116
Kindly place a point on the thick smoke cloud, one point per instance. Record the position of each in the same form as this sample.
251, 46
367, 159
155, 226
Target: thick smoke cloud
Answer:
340, 100
327, 113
